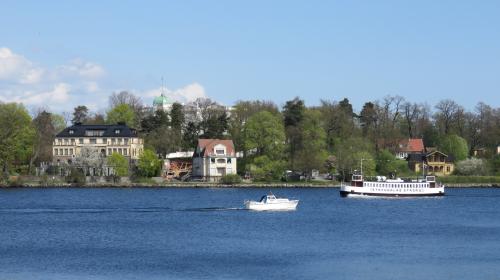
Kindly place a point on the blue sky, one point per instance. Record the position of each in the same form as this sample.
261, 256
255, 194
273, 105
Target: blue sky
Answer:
62, 53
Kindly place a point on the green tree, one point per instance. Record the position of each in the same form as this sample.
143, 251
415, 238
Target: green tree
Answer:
312, 153
121, 113
119, 163
293, 114
264, 133
387, 164
17, 135
148, 165
263, 168
240, 114
350, 152
455, 146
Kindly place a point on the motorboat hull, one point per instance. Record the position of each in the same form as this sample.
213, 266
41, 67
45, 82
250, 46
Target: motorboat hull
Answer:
279, 206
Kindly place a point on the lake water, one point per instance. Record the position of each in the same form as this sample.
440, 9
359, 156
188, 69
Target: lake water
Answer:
204, 234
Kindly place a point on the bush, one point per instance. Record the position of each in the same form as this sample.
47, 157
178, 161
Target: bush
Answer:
230, 179
471, 167
76, 176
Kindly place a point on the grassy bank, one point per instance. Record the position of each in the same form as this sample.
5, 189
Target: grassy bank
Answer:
470, 180
60, 182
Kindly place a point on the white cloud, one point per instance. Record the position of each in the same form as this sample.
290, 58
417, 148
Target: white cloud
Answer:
67, 85
186, 94
58, 95
92, 87
17, 68
83, 69
21, 80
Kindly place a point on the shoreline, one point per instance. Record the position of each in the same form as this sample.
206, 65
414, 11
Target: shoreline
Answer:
213, 185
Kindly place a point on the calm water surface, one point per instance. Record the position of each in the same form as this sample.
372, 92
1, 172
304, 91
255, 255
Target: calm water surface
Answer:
204, 234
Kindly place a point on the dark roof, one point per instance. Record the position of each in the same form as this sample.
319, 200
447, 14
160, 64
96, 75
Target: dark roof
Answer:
109, 130
417, 157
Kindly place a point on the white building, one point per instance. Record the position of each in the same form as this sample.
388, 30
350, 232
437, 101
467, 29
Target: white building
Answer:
214, 158
103, 139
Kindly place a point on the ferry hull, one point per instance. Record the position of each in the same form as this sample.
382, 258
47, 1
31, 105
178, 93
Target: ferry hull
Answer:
361, 193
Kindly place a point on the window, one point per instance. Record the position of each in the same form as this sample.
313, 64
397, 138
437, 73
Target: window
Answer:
70, 152
72, 141
120, 151
212, 160
65, 152
71, 131
59, 141
229, 160
117, 131
94, 132
93, 141
125, 152
56, 151
221, 160
113, 141
219, 151
66, 141
109, 152
104, 140
80, 140
125, 141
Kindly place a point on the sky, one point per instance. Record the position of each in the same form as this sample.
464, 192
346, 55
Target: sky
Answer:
60, 54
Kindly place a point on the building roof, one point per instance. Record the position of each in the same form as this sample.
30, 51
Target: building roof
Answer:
161, 100
418, 157
411, 145
205, 147
107, 130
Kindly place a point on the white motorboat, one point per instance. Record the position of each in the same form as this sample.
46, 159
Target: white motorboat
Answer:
271, 203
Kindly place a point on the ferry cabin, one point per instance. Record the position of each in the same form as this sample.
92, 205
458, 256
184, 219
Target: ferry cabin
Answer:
398, 187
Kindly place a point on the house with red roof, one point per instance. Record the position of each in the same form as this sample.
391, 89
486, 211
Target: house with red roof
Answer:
409, 146
214, 158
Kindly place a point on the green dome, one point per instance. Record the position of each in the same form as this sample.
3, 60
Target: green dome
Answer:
161, 100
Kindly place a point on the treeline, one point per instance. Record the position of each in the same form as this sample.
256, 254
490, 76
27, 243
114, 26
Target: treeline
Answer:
331, 137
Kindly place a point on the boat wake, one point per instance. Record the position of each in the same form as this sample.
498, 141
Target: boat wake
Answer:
213, 209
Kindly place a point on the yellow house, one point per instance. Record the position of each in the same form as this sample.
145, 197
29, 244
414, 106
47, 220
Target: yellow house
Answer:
436, 163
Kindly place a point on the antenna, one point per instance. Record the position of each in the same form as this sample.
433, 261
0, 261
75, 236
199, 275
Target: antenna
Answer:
162, 86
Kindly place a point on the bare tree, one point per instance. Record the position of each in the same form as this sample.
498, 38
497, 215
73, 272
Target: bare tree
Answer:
446, 115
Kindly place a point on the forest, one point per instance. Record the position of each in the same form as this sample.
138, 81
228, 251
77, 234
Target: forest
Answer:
331, 137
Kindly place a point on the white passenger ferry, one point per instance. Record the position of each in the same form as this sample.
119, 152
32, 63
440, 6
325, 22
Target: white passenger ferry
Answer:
392, 187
